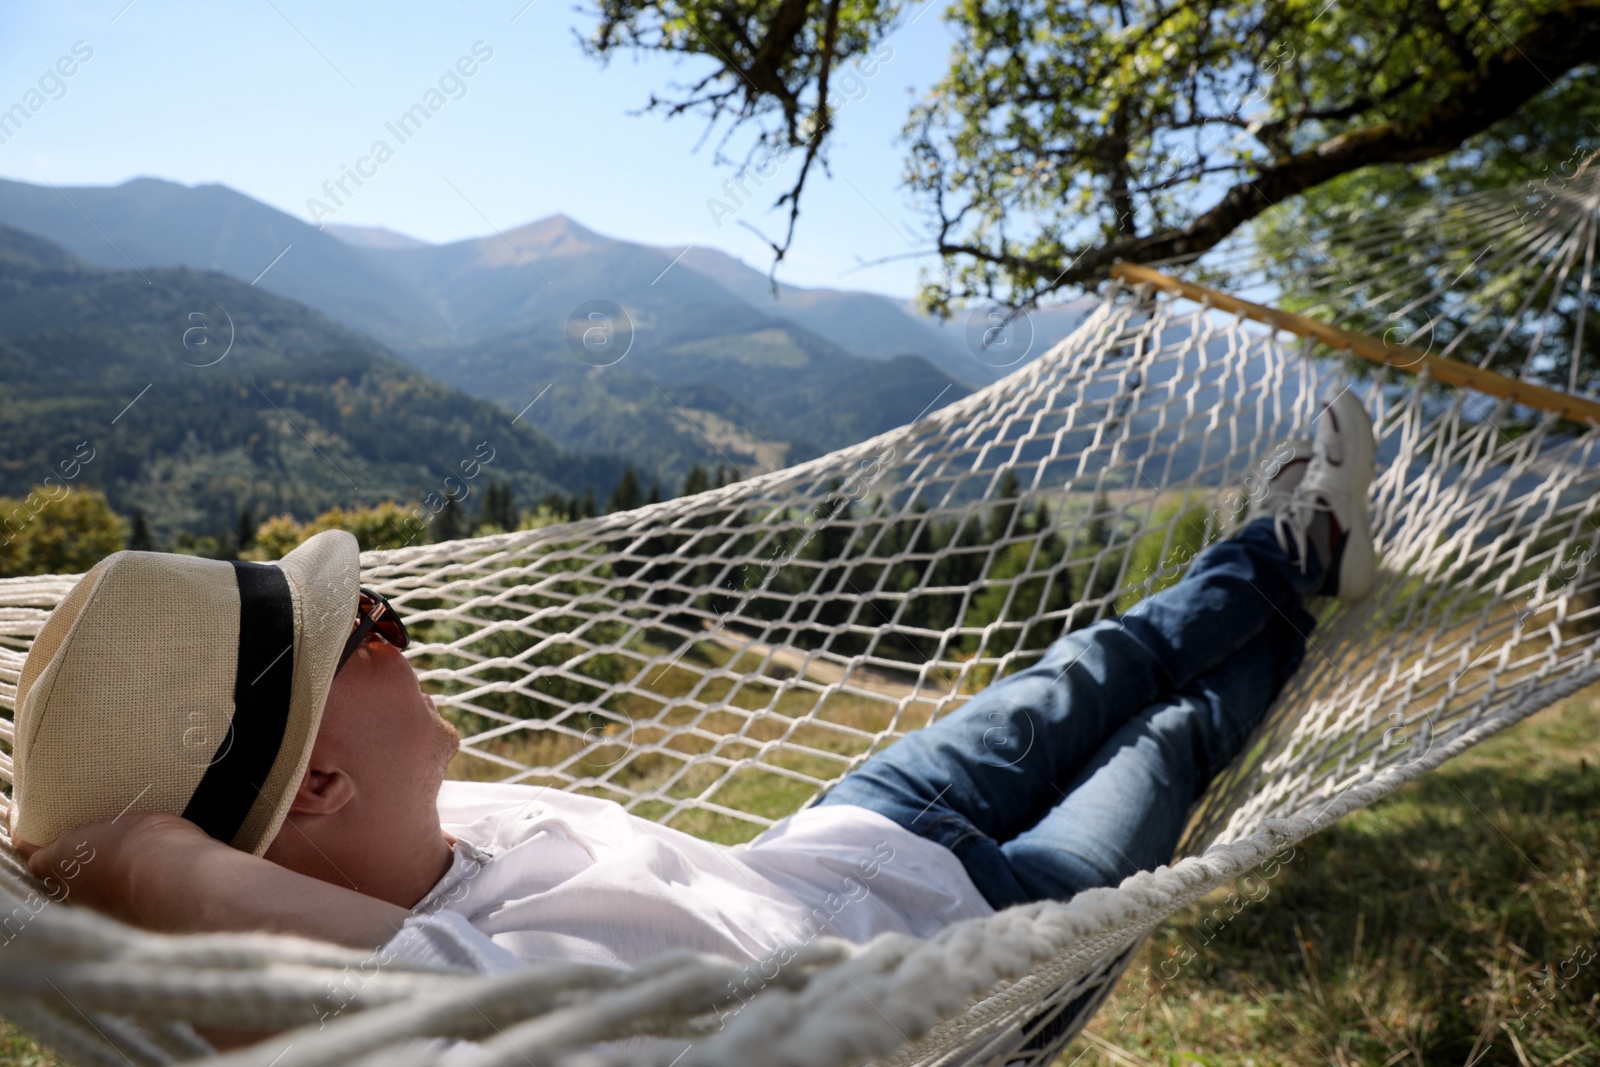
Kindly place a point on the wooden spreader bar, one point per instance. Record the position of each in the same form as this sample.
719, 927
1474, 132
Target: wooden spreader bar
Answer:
1401, 357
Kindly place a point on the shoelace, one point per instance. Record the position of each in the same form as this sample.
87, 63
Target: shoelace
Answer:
1293, 521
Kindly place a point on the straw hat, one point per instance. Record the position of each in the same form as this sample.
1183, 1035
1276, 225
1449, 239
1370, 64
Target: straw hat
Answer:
186, 685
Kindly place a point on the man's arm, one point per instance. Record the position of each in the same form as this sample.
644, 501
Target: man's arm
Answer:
164, 873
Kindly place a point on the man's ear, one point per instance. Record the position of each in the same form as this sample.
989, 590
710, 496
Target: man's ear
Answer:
323, 791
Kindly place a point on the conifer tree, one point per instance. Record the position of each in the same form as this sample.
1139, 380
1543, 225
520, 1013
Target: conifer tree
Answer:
245, 536
1006, 505
139, 539
1044, 522
625, 497
696, 482
448, 525
502, 510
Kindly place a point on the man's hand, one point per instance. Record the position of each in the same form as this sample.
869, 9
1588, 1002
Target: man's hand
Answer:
94, 864
164, 873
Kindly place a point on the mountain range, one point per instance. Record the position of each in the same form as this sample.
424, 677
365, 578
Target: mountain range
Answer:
194, 395
615, 352
407, 293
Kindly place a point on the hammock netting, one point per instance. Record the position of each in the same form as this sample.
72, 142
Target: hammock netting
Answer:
716, 661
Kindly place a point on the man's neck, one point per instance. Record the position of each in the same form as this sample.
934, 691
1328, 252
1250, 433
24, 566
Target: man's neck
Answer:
414, 875
400, 868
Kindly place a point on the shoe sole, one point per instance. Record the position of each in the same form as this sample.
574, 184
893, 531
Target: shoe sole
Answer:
1358, 566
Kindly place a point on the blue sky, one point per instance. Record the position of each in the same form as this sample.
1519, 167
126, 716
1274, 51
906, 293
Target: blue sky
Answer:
274, 97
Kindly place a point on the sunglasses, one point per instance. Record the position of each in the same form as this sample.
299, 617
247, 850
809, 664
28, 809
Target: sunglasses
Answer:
375, 617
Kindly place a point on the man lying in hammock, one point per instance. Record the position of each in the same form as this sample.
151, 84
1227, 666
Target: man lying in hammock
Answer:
318, 804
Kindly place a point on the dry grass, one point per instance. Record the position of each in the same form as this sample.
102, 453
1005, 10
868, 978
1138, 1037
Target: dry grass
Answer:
663, 760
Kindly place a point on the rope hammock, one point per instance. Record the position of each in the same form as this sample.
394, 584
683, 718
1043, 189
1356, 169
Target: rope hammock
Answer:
712, 662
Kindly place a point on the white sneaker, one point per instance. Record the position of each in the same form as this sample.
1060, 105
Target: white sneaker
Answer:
1275, 478
1344, 454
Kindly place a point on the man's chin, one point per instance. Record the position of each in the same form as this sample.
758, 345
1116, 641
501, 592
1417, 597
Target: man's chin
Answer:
449, 742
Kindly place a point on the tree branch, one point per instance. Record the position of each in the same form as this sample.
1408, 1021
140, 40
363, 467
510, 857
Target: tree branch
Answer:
1563, 39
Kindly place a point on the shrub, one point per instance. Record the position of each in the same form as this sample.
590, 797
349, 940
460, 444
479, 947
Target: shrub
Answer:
57, 534
388, 525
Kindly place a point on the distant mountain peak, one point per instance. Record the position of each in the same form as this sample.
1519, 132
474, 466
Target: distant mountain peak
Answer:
145, 180
553, 235
373, 236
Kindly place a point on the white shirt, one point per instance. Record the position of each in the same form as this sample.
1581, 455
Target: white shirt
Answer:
541, 874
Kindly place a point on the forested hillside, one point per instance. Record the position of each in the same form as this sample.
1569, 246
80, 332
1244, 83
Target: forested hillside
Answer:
191, 396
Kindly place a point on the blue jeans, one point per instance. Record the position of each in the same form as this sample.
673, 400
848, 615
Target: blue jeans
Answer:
1082, 768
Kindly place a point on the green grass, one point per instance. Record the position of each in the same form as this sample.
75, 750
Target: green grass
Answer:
1430, 928
1417, 931
17, 1051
